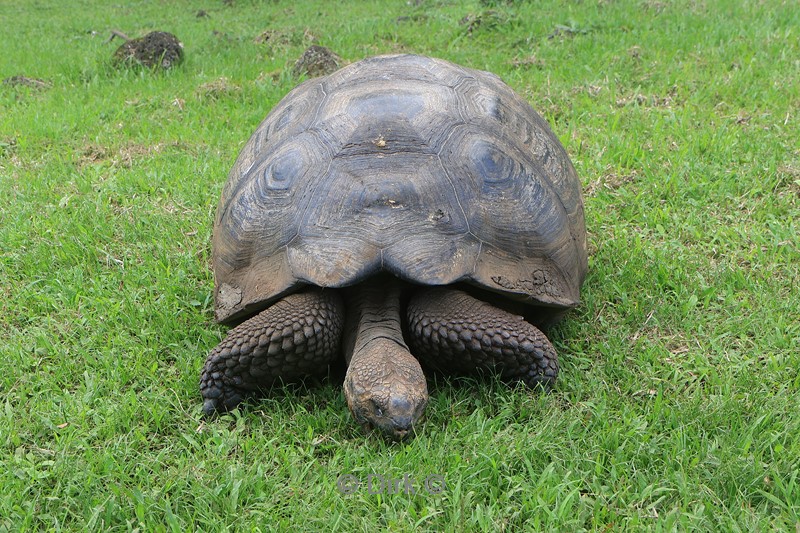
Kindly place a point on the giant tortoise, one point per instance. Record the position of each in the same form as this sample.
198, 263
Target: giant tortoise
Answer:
400, 210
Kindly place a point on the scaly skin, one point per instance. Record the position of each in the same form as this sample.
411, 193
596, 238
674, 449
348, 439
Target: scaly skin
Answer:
296, 337
299, 336
384, 386
451, 331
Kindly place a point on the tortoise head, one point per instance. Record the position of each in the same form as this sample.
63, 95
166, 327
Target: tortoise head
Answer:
386, 389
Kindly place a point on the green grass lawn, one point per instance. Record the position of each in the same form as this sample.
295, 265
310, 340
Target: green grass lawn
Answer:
677, 407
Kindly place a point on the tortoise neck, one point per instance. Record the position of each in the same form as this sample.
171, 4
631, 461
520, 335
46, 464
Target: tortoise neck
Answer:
373, 313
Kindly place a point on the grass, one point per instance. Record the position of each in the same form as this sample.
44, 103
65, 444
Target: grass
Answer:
677, 405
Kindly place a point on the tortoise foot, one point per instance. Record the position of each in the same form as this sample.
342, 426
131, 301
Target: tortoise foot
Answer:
296, 337
451, 331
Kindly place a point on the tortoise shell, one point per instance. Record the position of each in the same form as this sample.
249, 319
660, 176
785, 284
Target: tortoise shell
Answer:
404, 164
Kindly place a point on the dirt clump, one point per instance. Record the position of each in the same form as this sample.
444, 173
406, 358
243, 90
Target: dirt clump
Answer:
157, 49
25, 81
317, 61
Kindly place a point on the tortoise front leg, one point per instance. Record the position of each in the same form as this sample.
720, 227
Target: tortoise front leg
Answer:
296, 337
453, 332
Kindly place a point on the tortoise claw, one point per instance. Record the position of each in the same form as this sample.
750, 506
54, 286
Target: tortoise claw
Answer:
209, 408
